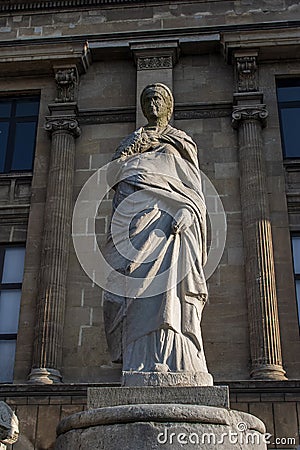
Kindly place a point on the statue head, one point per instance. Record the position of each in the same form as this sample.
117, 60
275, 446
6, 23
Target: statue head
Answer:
157, 102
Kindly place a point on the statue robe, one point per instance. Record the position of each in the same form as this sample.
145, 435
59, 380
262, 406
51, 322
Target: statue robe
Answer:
158, 322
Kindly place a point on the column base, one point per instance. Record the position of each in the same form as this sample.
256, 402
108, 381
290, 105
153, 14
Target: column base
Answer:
131, 378
43, 375
268, 372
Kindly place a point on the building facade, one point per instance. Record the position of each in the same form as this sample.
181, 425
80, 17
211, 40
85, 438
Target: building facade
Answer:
71, 73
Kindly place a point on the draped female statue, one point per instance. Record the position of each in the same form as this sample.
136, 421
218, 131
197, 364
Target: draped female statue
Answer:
157, 239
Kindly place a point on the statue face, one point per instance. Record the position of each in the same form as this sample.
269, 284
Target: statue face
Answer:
154, 106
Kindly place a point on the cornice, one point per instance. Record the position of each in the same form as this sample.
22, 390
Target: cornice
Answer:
34, 5
231, 36
37, 56
17, 6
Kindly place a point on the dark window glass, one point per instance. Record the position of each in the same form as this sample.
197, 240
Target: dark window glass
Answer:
18, 125
288, 95
5, 109
7, 360
24, 146
290, 129
296, 258
11, 275
27, 108
4, 127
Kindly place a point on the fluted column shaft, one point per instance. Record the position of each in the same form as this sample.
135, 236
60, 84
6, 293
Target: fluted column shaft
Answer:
265, 347
55, 251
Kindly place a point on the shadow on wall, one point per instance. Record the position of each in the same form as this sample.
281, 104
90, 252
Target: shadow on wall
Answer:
22, 444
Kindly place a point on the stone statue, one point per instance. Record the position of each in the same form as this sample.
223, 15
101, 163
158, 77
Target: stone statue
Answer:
9, 426
157, 237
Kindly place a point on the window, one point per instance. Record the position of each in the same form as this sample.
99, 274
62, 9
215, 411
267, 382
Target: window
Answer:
11, 275
18, 124
288, 95
296, 257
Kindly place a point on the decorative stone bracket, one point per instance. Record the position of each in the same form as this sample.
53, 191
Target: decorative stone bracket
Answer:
67, 80
246, 71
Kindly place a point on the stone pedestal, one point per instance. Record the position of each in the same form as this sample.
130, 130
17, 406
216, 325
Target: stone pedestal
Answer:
131, 378
153, 418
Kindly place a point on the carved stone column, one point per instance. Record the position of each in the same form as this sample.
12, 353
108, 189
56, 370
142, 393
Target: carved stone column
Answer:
249, 117
154, 62
63, 128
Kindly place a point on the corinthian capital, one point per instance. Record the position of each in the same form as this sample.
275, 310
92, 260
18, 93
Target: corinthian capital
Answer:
63, 124
249, 113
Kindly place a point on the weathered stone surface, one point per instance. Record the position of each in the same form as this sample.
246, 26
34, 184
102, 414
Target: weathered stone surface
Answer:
113, 396
166, 379
9, 425
249, 117
152, 320
153, 426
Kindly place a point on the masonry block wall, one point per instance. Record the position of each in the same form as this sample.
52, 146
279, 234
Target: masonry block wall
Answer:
201, 39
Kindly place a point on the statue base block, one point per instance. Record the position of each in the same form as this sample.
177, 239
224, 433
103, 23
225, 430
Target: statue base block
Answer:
172, 422
166, 379
102, 397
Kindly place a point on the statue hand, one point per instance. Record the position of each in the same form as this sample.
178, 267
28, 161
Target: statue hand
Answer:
183, 220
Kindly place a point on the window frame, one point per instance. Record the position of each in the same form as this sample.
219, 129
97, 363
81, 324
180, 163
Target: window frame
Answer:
288, 81
13, 120
296, 234
9, 286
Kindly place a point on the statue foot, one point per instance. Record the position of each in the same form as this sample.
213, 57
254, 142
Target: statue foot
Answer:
160, 368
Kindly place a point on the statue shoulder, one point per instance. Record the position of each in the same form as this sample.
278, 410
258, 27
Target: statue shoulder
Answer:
128, 145
180, 134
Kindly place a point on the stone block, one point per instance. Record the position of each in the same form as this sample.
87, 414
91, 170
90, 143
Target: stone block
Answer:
285, 420
48, 418
67, 410
264, 411
113, 396
236, 256
27, 418
226, 170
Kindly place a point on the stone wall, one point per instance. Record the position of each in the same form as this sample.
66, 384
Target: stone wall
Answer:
160, 15
203, 38
85, 354
40, 408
